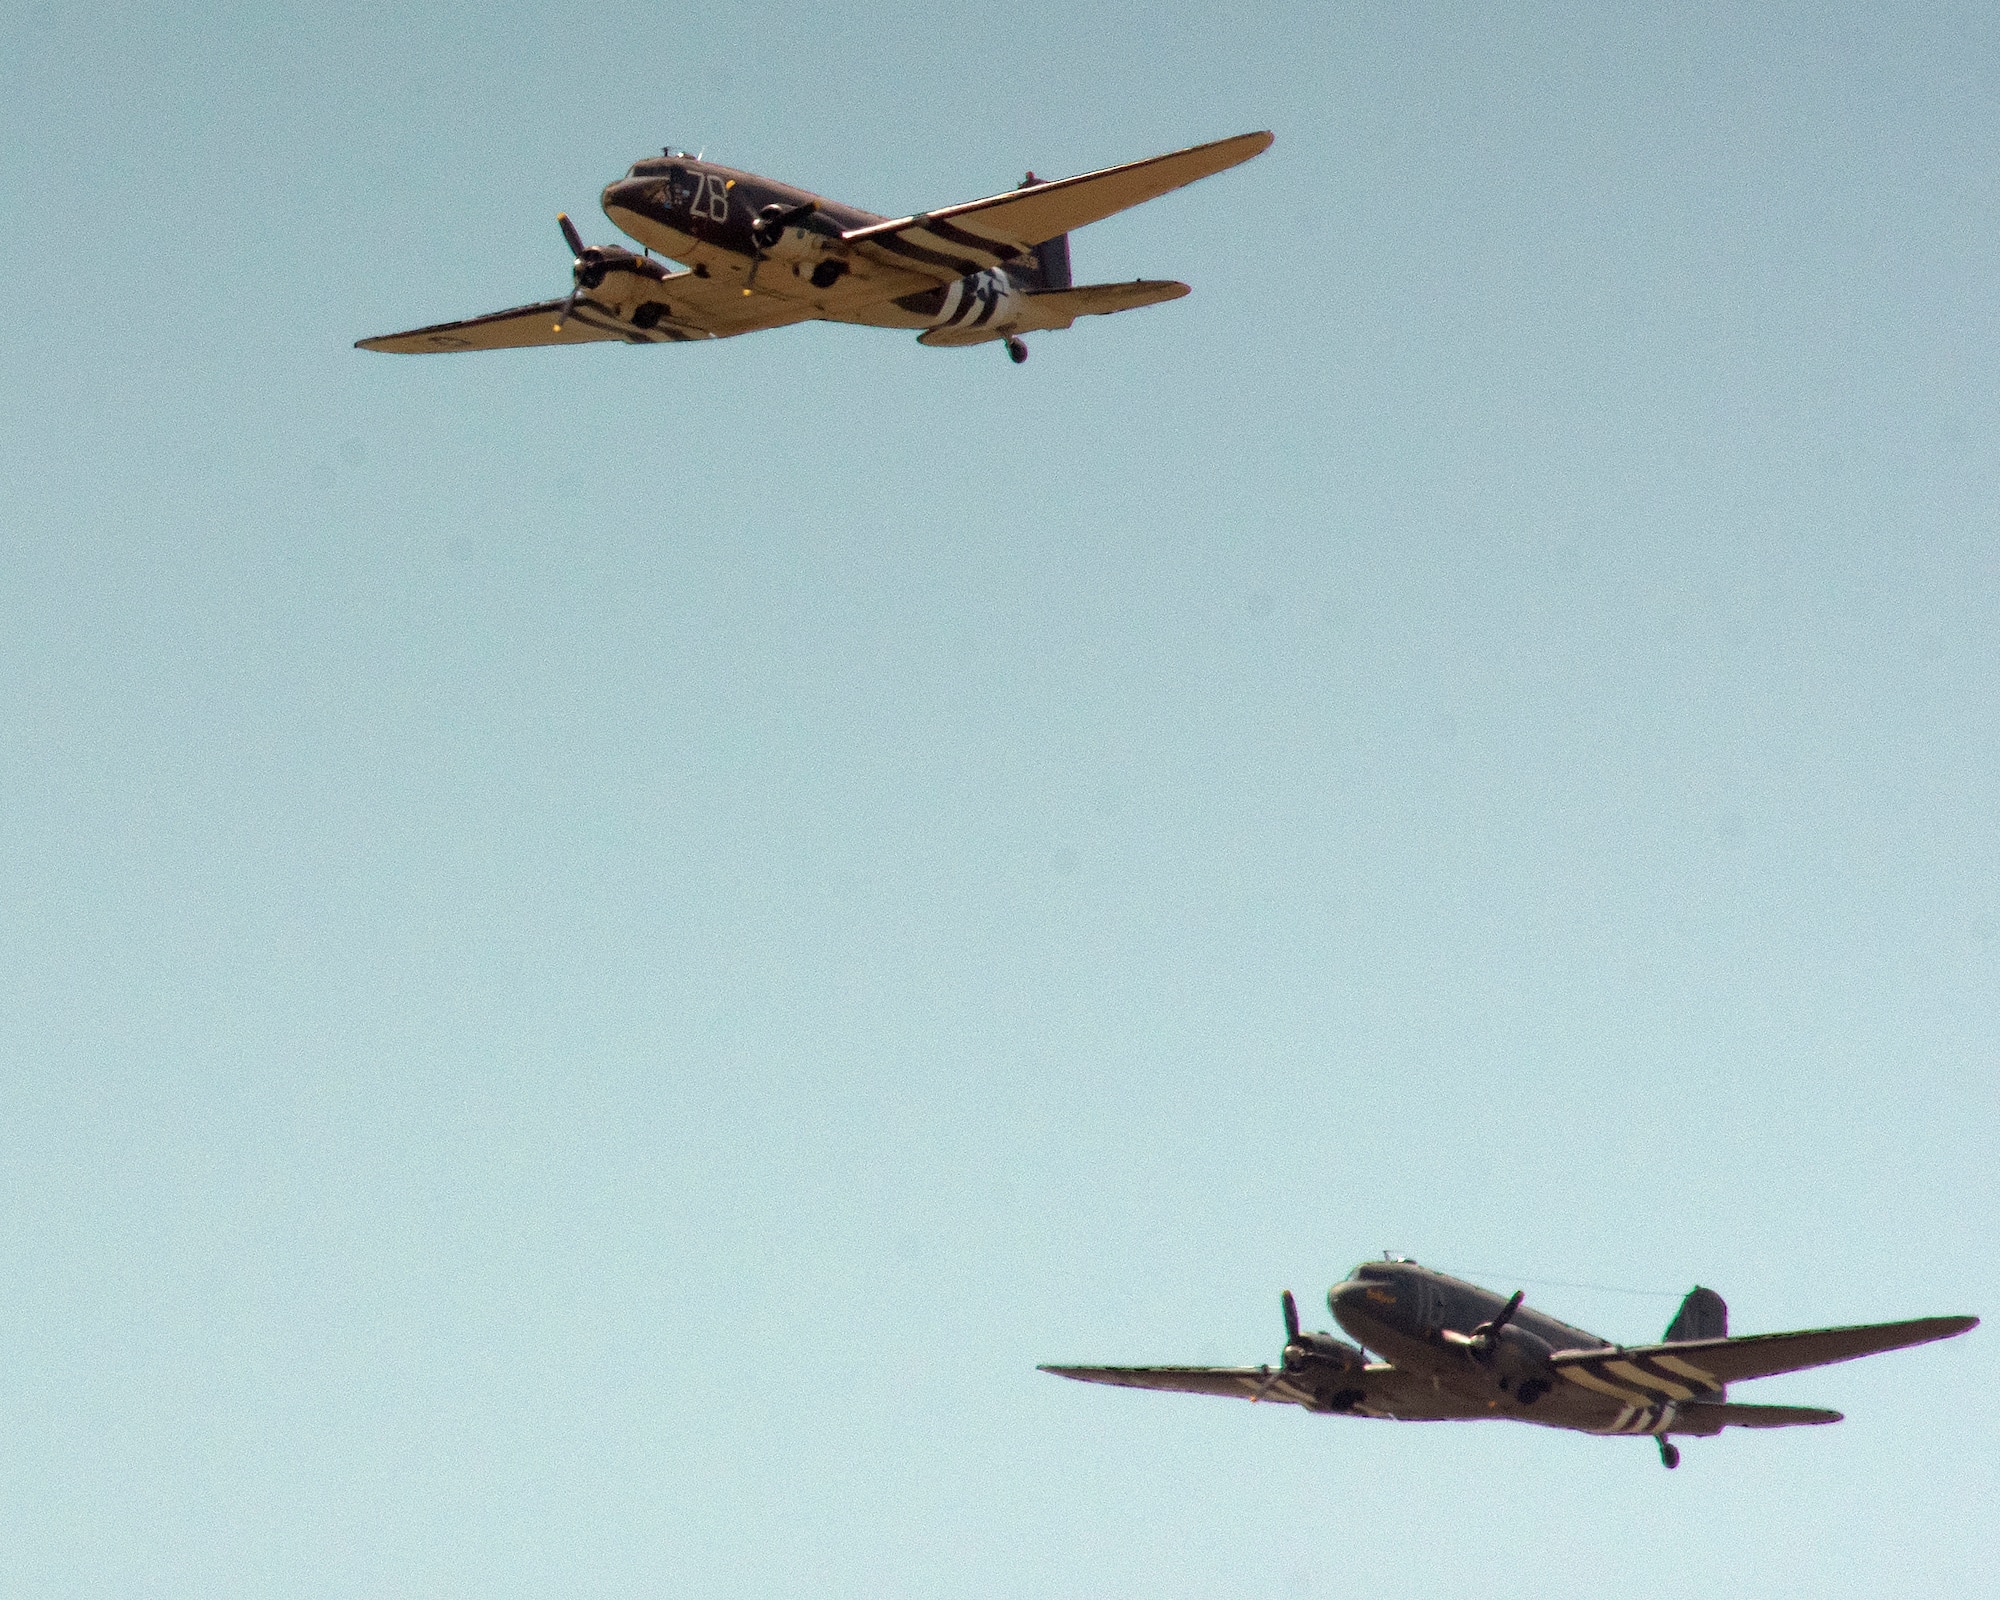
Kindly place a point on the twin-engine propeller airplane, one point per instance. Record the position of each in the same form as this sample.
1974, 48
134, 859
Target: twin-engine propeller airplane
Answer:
761, 254
1457, 1352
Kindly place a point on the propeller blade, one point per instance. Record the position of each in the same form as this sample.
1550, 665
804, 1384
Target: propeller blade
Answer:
570, 236
1264, 1388
1507, 1312
568, 306
1291, 1319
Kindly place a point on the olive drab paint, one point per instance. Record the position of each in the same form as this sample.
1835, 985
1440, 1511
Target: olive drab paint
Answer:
1451, 1351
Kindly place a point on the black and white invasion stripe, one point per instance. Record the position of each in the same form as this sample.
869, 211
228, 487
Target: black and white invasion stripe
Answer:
933, 242
1641, 1379
1641, 1420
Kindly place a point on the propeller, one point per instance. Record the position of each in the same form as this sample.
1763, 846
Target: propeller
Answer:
771, 223
1480, 1342
586, 270
768, 227
1287, 1358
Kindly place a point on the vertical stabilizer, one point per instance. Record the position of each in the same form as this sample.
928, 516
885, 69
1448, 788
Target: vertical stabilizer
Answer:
1052, 255
1702, 1315
1047, 267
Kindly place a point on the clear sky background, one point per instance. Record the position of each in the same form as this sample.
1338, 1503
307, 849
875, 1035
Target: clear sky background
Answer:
601, 949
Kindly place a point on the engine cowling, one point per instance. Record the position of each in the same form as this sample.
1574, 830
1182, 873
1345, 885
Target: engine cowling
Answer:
1322, 1353
795, 245
1520, 1364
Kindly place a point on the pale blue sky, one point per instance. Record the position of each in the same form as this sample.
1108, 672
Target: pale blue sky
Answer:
602, 948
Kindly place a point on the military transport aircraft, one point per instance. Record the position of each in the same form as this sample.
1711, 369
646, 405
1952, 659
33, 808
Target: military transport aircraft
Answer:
762, 254
1457, 1352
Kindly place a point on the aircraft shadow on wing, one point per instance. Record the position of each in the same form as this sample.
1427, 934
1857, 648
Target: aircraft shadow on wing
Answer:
761, 254
1452, 1351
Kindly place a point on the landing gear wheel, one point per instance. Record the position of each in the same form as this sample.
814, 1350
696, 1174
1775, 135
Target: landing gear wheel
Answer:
1017, 350
1670, 1457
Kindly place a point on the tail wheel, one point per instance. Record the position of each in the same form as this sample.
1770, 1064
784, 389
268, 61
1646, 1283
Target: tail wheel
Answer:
1017, 350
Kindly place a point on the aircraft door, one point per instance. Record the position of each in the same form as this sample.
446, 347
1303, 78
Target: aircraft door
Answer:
1430, 1306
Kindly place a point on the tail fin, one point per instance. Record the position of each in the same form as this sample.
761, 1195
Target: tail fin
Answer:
1702, 1316
1047, 267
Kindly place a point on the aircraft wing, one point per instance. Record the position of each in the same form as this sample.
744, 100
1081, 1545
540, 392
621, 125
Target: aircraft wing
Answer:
1377, 1390
1690, 1368
947, 245
638, 307
502, 330
1239, 1383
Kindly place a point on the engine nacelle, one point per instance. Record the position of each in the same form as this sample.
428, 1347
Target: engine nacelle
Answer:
1520, 1364
1322, 1353
796, 246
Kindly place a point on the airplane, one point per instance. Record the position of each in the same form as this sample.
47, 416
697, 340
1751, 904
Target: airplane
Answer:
1457, 1352
761, 254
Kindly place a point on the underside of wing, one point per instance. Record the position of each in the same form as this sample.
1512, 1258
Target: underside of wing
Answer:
519, 328
1689, 1369
1377, 1390
980, 234
638, 305
1237, 1383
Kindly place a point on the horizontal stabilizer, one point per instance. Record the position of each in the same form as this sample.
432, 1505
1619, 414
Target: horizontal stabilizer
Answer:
1100, 299
1057, 308
1702, 1418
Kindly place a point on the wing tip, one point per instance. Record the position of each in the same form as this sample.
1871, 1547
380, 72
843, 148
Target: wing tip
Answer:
1242, 147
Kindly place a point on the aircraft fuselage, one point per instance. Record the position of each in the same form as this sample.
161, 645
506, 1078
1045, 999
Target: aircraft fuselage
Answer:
703, 215
1406, 1314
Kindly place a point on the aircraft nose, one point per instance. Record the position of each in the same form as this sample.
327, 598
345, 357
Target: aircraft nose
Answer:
628, 193
1357, 1304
